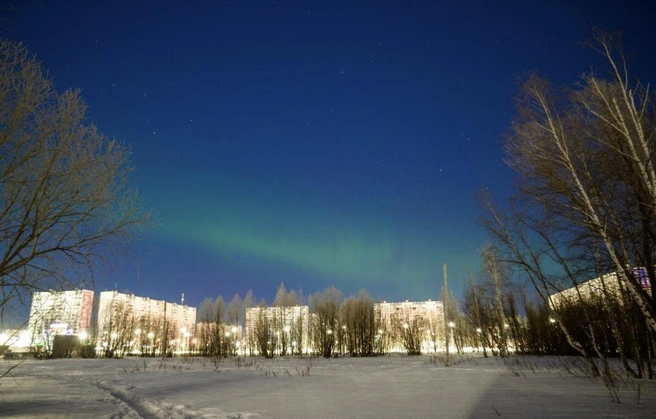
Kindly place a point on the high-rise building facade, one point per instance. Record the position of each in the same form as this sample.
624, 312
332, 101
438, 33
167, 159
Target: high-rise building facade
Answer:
601, 287
427, 316
59, 313
431, 312
143, 315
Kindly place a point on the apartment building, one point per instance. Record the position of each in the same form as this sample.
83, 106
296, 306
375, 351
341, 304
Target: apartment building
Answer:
144, 317
59, 313
427, 312
426, 315
595, 288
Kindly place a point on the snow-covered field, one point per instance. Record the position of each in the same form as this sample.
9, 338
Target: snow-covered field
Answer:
384, 387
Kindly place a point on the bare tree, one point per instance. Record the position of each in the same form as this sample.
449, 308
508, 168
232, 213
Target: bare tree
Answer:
409, 333
247, 340
475, 312
233, 311
498, 274
360, 325
283, 325
206, 319
246, 303
263, 335
586, 162
219, 341
65, 196
325, 306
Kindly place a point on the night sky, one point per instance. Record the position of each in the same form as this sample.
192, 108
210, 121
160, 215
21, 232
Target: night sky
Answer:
315, 143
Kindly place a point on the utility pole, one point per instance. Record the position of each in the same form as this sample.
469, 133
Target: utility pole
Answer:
166, 334
445, 309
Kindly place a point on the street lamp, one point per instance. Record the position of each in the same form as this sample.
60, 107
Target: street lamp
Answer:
480, 339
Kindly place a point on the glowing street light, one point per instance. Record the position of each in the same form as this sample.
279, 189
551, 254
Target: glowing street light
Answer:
552, 320
452, 325
83, 336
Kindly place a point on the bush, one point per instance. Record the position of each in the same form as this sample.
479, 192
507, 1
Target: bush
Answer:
87, 351
64, 346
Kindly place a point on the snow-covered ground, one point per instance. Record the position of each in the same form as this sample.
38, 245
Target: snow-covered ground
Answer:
385, 387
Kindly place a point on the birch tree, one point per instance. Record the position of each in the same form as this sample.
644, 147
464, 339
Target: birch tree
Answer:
585, 160
498, 275
585, 202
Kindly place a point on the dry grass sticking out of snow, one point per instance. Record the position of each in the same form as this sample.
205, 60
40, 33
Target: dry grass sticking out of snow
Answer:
291, 387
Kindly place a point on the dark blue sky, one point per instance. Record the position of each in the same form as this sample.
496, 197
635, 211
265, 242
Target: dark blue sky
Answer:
315, 143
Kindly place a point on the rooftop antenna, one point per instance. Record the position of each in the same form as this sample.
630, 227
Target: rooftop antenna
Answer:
182, 299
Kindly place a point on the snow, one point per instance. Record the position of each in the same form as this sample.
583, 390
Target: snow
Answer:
385, 387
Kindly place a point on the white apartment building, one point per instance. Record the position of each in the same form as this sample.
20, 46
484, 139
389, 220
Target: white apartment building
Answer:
59, 313
595, 288
429, 315
144, 317
429, 312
